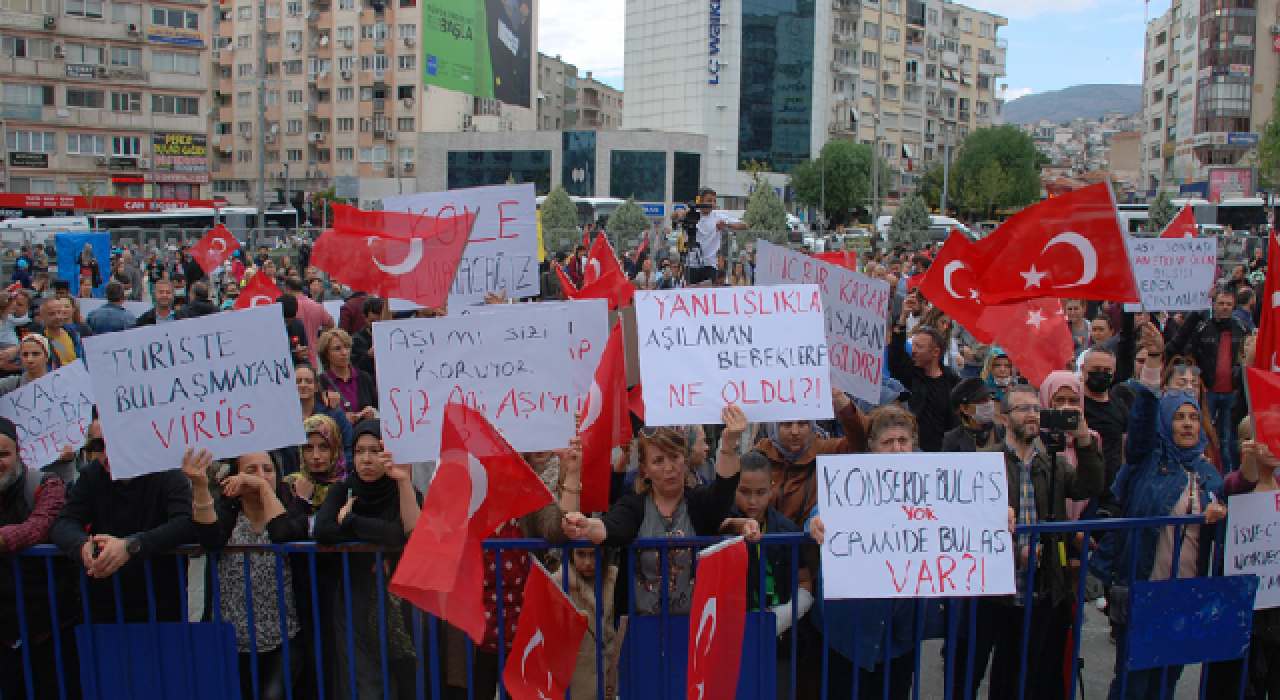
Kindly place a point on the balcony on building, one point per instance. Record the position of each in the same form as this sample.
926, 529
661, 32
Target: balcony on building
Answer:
915, 13
843, 68
951, 58
847, 7
844, 38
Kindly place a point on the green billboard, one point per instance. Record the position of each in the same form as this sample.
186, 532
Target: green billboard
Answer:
481, 47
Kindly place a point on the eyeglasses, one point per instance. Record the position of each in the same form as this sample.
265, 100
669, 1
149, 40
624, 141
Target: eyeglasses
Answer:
1025, 408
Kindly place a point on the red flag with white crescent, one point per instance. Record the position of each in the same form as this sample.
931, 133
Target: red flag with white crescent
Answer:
214, 249
950, 284
480, 483
606, 423
718, 621
259, 291
1182, 226
548, 636
600, 261
1269, 324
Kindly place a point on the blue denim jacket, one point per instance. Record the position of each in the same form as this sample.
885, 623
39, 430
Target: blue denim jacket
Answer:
110, 318
1150, 488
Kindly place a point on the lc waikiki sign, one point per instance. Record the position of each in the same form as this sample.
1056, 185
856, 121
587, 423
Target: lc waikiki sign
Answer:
713, 48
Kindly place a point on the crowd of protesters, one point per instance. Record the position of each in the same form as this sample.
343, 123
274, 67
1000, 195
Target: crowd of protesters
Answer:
1162, 430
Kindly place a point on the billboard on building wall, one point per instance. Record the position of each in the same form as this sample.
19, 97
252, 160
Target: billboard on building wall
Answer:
481, 47
1226, 183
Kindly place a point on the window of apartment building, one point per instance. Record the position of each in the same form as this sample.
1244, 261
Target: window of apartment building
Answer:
131, 58
366, 124
893, 65
244, 70
293, 126
404, 124
39, 7
346, 124
407, 31
931, 71
893, 35
273, 69
85, 8
180, 106
293, 38
126, 146
346, 33
405, 155
77, 53
377, 154
378, 61
933, 17
244, 156
838, 86
222, 128
273, 11
406, 61
224, 71
321, 96
244, 41
870, 59
293, 67
1155, 124
22, 47
273, 98
982, 108
294, 97
27, 94
986, 29
31, 185
891, 92
224, 15
890, 121
968, 24
346, 94
177, 19
843, 57
893, 7
966, 51
31, 141
90, 99
346, 154
870, 30
293, 154
126, 102
346, 4
86, 144
245, 12
346, 62
319, 65
984, 82
888, 151
272, 38
244, 99
912, 94
271, 156
321, 155
167, 62
964, 104
243, 128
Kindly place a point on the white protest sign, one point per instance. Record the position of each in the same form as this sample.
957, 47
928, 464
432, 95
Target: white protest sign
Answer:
50, 413
502, 253
915, 525
509, 363
855, 307
1253, 543
222, 382
334, 307
761, 348
1174, 274
588, 333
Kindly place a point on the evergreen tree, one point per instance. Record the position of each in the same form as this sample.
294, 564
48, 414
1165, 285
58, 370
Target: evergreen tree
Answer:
628, 218
765, 211
1160, 213
558, 212
911, 220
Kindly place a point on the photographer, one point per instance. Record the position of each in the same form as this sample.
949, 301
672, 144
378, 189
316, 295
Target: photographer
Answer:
704, 245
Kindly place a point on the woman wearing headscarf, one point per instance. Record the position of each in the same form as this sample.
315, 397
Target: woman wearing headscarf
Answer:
793, 448
323, 461
250, 512
998, 373
1165, 474
376, 504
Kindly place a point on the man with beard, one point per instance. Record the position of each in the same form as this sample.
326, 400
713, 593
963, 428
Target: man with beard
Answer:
111, 526
29, 503
1038, 485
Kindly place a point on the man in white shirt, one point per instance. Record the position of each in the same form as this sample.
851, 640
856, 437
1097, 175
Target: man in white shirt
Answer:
702, 257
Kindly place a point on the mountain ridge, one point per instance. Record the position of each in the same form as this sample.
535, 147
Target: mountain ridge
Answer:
1088, 101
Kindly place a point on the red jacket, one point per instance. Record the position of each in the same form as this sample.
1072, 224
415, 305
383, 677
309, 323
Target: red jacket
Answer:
351, 316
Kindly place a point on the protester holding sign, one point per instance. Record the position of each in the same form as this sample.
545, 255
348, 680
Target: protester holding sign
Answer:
1165, 473
250, 512
375, 504
667, 503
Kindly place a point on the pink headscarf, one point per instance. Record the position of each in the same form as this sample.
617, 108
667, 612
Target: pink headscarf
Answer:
1054, 383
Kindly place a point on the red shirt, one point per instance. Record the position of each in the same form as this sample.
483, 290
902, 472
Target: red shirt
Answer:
515, 571
1222, 373
313, 317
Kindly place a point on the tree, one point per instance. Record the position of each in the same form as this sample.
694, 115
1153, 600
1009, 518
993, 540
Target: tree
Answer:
1015, 184
1161, 212
1269, 148
980, 191
765, 210
323, 200
911, 220
558, 211
847, 168
628, 218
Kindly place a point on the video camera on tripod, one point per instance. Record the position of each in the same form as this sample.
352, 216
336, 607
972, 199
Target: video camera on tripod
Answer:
692, 215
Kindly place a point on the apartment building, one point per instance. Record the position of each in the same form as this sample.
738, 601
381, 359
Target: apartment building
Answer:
566, 101
344, 100
773, 81
1209, 84
104, 105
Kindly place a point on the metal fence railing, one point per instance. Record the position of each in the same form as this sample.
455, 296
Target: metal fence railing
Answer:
339, 639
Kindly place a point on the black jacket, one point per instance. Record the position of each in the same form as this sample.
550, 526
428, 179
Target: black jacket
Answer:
197, 308
148, 317
958, 439
154, 507
1199, 338
935, 417
361, 343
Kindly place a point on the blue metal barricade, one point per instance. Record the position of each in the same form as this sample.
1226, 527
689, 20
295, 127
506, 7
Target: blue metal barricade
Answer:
336, 641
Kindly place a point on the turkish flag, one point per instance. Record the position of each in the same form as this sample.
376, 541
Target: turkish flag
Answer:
846, 259
951, 285
1264, 406
480, 483
612, 286
259, 291
914, 281
1069, 246
214, 249
600, 261
1269, 324
1182, 226
1034, 333
393, 254
565, 283
636, 400
548, 636
606, 423
718, 621
644, 245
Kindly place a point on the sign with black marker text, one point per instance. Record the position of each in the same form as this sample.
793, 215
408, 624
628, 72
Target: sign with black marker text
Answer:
1174, 274
50, 413
1253, 543
915, 525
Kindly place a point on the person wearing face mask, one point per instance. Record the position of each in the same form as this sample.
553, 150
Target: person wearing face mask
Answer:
1106, 416
977, 412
